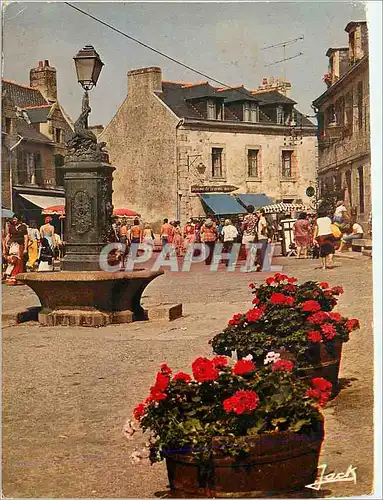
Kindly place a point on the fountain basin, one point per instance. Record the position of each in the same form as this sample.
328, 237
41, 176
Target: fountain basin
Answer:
89, 298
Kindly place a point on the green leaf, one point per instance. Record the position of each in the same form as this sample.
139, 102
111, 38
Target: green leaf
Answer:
278, 420
297, 426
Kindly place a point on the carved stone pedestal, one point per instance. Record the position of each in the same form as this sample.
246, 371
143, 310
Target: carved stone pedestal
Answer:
88, 198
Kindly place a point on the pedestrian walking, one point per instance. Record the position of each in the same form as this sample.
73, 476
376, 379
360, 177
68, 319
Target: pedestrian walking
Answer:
229, 234
148, 235
33, 245
177, 238
209, 237
302, 235
189, 234
47, 231
325, 239
45, 256
135, 233
166, 233
124, 232
17, 241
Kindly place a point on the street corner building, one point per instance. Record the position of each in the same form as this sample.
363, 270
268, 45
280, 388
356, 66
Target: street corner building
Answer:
343, 112
35, 129
189, 149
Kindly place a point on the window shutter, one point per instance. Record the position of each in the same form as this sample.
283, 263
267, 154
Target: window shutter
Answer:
294, 164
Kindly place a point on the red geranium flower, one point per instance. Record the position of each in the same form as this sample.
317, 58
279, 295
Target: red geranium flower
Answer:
256, 300
254, 314
318, 318
243, 366
328, 331
352, 324
280, 277
323, 284
184, 377
165, 369
204, 370
162, 382
335, 316
282, 365
321, 390
310, 306
290, 288
314, 336
156, 395
337, 290
235, 320
251, 285
321, 383
241, 402
219, 361
280, 298
269, 281
139, 411
291, 280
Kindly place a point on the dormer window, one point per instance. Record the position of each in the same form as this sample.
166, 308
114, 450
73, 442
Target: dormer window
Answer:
280, 115
214, 110
250, 112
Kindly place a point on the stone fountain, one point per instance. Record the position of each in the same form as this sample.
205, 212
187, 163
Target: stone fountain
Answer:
81, 293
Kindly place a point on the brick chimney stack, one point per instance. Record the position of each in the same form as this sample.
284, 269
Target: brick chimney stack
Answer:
44, 79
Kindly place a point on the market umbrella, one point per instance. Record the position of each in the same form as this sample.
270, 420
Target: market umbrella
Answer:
125, 212
6, 214
54, 210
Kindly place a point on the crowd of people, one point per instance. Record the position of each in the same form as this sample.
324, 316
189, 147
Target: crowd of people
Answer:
325, 234
27, 248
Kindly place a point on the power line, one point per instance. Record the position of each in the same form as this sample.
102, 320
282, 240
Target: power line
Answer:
150, 48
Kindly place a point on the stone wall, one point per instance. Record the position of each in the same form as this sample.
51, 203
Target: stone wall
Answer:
197, 144
141, 141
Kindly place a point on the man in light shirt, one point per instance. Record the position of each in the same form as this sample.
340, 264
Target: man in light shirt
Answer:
357, 233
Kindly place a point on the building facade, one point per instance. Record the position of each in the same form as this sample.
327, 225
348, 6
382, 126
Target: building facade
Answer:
35, 129
173, 142
343, 110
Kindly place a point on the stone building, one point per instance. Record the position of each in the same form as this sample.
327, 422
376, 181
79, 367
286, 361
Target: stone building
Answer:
179, 147
35, 129
343, 112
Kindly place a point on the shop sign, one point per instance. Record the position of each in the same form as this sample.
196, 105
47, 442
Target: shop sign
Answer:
224, 188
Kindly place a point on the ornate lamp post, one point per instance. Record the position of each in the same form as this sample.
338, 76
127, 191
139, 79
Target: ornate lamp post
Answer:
87, 179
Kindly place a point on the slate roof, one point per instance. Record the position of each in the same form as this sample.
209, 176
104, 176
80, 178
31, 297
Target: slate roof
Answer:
181, 98
272, 97
28, 132
38, 114
22, 95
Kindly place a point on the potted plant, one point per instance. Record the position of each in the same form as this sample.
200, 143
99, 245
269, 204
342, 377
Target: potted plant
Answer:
295, 321
234, 430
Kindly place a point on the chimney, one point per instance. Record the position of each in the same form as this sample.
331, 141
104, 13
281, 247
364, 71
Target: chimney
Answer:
44, 79
144, 80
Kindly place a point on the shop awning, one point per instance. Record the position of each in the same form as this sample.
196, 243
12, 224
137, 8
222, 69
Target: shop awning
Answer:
43, 201
222, 204
257, 200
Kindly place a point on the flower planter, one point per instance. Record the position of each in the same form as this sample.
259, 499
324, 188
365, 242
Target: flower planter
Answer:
326, 366
325, 363
278, 463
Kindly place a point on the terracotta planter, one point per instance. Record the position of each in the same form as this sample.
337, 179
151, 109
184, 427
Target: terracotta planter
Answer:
278, 463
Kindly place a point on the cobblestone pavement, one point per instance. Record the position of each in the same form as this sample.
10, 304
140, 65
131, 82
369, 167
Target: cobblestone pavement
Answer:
67, 391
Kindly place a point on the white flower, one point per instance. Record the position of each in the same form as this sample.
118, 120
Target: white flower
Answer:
249, 357
129, 429
135, 457
271, 357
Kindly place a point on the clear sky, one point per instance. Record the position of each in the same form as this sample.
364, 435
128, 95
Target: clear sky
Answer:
223, 40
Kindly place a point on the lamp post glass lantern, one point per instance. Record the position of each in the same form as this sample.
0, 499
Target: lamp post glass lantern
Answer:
88, 67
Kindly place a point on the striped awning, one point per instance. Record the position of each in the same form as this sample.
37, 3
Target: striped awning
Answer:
280, 208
